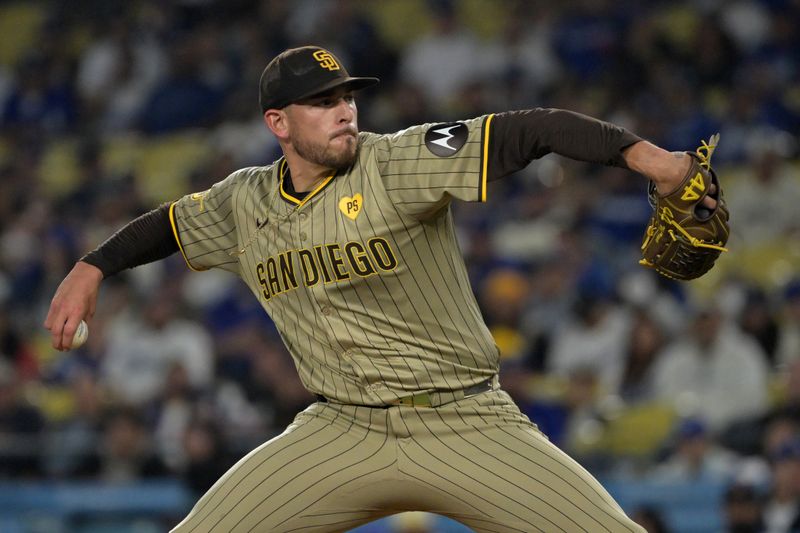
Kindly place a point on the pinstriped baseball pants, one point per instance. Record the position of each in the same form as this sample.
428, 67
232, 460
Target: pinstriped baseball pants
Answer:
478, 460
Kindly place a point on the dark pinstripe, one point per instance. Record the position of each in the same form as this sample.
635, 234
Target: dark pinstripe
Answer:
388, 335
477, 460
408, 324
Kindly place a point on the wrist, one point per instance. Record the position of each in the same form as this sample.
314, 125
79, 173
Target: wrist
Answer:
89, 270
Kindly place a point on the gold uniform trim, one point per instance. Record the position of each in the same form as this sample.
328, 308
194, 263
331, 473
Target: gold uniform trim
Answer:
292, 199
485, 169
177, 238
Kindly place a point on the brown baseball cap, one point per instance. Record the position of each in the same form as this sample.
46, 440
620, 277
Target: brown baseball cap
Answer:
300, 73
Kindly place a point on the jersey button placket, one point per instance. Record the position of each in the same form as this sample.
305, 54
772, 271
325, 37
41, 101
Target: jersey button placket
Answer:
302, 217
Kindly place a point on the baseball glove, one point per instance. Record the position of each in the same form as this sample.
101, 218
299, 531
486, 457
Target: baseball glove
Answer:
683, 237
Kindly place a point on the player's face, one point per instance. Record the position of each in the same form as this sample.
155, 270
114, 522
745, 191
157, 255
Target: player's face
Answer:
324, 129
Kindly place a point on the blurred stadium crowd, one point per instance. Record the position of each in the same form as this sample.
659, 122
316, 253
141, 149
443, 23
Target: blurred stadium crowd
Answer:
109, 108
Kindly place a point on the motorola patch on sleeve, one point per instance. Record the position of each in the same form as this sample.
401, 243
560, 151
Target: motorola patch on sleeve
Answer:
446, 139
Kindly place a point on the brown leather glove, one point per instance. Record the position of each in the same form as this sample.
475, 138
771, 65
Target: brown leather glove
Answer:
684, 238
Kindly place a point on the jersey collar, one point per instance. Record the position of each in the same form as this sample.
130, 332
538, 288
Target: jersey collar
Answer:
283, 172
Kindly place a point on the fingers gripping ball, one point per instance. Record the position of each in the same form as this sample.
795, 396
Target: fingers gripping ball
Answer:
80, 336
685, 238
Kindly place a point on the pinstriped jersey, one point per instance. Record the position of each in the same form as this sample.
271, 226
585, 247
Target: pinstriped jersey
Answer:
364, 277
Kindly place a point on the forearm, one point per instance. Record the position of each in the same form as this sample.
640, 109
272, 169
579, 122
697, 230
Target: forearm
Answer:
145, 239
519, 137
666, 169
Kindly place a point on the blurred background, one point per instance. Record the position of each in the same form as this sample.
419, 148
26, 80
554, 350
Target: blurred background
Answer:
683, 399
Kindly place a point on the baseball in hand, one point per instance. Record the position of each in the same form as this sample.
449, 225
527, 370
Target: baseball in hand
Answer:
81, 334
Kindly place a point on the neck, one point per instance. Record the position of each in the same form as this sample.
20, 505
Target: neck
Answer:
305, 175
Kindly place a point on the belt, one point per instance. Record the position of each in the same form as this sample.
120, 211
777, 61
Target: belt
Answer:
432, 399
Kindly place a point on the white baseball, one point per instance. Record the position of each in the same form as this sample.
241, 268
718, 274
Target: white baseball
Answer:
81, 334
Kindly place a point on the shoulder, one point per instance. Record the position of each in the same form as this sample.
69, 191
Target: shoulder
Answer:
432, 134
251, 174
367, 139
245, 178
386, 141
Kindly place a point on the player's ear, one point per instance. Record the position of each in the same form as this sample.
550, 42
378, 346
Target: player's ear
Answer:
277, 122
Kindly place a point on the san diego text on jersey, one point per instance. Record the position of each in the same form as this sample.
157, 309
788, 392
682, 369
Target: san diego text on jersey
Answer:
327, 263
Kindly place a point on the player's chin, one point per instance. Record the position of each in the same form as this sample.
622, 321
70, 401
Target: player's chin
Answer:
343, 153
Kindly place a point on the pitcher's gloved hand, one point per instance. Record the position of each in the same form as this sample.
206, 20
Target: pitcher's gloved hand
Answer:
684, 238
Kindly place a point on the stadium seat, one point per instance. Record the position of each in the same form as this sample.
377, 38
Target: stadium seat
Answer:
19, 28
639, 431
166, 163
686, 507
59, 169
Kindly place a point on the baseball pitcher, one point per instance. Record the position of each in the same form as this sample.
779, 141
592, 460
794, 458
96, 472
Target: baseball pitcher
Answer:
348, 242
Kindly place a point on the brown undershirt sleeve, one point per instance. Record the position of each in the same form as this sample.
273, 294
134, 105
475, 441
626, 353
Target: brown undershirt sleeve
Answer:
143, 240
519, 137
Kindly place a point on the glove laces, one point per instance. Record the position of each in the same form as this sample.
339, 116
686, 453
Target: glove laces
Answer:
706, 149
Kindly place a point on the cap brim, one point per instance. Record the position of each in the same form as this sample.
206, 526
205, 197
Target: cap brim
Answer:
354, 84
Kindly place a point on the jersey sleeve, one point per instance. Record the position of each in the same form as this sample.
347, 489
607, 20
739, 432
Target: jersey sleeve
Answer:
424, 167
204, 224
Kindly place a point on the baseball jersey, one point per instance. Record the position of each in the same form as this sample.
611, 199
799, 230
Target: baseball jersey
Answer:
364, 277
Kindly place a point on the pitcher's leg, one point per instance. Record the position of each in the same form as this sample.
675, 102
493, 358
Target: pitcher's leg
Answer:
495, 472
309, 478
